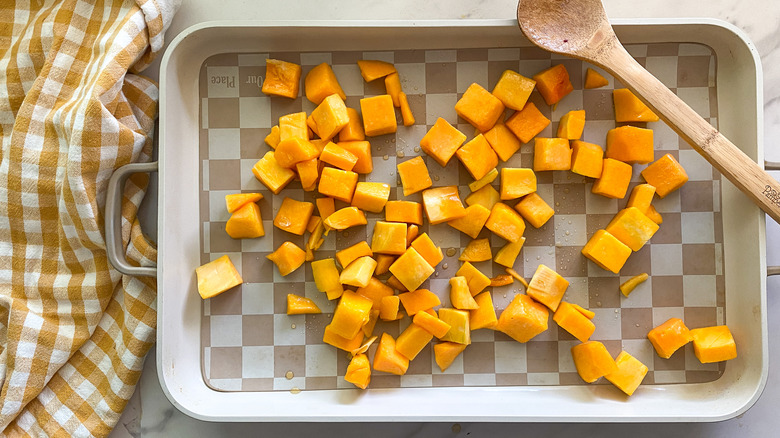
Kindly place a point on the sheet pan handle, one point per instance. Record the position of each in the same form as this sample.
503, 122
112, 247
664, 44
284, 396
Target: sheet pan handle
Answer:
770, 165
113, 215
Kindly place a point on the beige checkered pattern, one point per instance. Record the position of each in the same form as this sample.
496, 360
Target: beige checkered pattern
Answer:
73, 331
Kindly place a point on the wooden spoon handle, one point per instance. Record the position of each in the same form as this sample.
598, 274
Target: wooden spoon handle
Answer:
708, 141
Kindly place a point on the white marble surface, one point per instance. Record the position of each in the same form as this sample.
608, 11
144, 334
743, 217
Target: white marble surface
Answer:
150, 414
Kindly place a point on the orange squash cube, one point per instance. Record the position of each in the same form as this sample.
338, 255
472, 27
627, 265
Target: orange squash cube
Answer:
485, 180
527, 123
372, 69
245, 223
393, 88
517, 182
572, 124
412, 341
359, 371
574, 322
713, 344
411, 269
508, 253
293, 126
293, 216
298, 305
593, 79
506, 222
553, 84
320, 83
359, 272
606, 251
350, 314
480, 108
354, 252
475, 279
484, 316
312, 125
442, 141
459, 331
354, 129
460, 296
630, 144
337, 183
418, 300
471, 224
666, 175
502, 140
330, 116
216, 277
487, 197
551, 154
614, 180
387, 359
308, 172
587, 159
632, 227
362, 150
375, 291
592, 360
273, 138
445, 353
629, 373
292, 151
404, 211
287, 258
414, 175
268, 171
628, 107
378, 115
389, 307
533, 209
547, 287
281, 78
406, 110
395, 283
431, 323
326, 275
331, 338
523, 318
478, 250
411, 233
477, 157
345, 218
371, 196
326, 207
641, 197
443, 204
237, 200
513, 89
669, 337
427, 249
336, 155
389, 238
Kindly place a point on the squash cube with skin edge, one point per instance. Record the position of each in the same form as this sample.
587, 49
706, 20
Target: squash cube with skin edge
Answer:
320, 83
442, 141
614, 180
475, 279
371, 196
629, 373
338, 184
292, 151
632, 227
551, 154
527, 123
281, 78
414, 175
293, 216
443, 204
480, 108
533, 209
507, 255
427, 249
287, 258
411, 269
337, 156
628, 107
245, 223
298, 305
569, 318
713, 344
459, 331
572, 124
412, 341
345, 218
513, 89
268, 171
592, 360
359, 272
326, 274
587, 159
330, 116
375, 291
418, 300
553, 84
309, 173
354, 129
387, 359
293, 126
487, 197
630, 144
478, 250
351, 313
359, 371
378, 115
502, 140
389, 238
547, 287
347, 344
216, 277
445, 353
606, 251
669, 337
354, 252
506, 222
517, 182
460, 296
484, 316
389, 307
594, 79
523, 319
485, 180
237, 200
431, 323
471, 224
372, 69
362, 150
666, 175
477, 157
404, 211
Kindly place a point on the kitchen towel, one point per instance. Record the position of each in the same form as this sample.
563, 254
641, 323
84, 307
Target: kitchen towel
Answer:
73, 331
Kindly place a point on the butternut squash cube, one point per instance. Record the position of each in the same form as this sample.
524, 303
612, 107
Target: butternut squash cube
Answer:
551, 154
628, 107
427, 249
351, 313
629, 374
523, 318
606, 251
393, 88
371, 196
326, 275
326, 207
337, 183
336, 155
517, 182
354, 128
378, 115
330, 116
293, 216
641, 197
387, 359
389, 238
459, 331
630, 144
547, 287
308, 172
414, 175
383, 262
404, 211
666, 175
314, 221
478, 250
480, 108
245, 223
281, 78
593, 79
216, 277
362, 150
273, 138
347, 344
533, 209
442, 141
487, 197
477, 157
359, 371
412, 231
506, 223
298, 305
443, 204
293, 126
287, 258
508, 253
527, 123
320, 83
502, 140
268, 171
412, 341
395, 283
354, 252
713, 344
359, 272
573, 321
418, 300
572, 124
294, 150
460, 296
592, 360
476, 280
485, 180
368, 327
411, 269
406, 110
614, 180
513, 89
669, 337
237, 200
471, 224
484, 316
372, 69
553, 84
587, 159
389, 306
632, 227
431, 323
445, 353
375, 291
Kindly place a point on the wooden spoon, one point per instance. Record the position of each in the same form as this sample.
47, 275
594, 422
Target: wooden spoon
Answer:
580, 28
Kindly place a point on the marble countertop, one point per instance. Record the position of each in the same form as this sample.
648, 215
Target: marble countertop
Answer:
150, 414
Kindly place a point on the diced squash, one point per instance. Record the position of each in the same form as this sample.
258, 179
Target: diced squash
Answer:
630, 144
359, 371
404, 211
216, 277
513, 89
337, 183
334, 294
268, 171
713, 344
383, 262
281, 78
387, 359
237, 200
287, 258
501, 280
354, 129
533, 209
320, 83
245, 223
372, 69
443, 204
480, 108
629, 285
614, 180
315, 240
476, 280
669, 337
588, 314
471, 224
592, 360
293, 126
587, 159
411, 269
368, 327
308, 172
485, 180
666, 175
414, 175
594, 79
629, 373
326, 207
351, 313
389, 306
418, 301
523, 318
375, 291
330, 116
572, 124
326, 275
442, 141
293, 216
314, 222
606, 251
406, 110
347, 344
547, 287
427, 249
345, 218
459, 331
477, 157
478, 250
628, 107
517, 182
298, 305
460, 296
336, 155
506, 222
641, 197
573, 321
445, 353
412, 341
359, 272
292, 151
632, 227
502, 140
527, 123
431, 323
484, 316
312, 125
273, 138
395, 283
378, 115
412, 231
507, 255
553, 84
551, 154
393, 88
371, 196
389, 238
487, 197
362, 150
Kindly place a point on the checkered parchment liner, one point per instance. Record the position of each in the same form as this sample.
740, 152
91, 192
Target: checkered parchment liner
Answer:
250, 344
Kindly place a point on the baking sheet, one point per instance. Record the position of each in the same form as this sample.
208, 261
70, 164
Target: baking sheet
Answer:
249, 343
